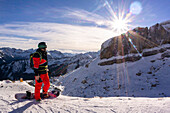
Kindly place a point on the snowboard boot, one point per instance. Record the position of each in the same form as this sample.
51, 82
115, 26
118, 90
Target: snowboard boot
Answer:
45, 95
39, 100
56, 93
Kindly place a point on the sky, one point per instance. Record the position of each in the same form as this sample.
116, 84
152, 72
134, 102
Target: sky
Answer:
74, 26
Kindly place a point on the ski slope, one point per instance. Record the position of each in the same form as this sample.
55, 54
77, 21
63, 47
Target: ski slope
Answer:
66, 104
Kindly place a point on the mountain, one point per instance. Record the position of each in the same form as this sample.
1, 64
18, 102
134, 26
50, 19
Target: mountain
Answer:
14, 63
134, 64
136, 40
55, 54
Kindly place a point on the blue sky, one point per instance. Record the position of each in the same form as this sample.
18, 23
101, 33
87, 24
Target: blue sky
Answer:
73, 25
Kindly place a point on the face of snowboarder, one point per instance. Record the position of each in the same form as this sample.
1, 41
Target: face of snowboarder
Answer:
43, 49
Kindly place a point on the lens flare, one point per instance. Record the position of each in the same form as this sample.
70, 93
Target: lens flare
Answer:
130, 40
136, 8
119, 20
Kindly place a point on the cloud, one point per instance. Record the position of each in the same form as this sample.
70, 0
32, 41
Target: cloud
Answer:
26, 35
83, 15
80, 16
65, 37
15, 42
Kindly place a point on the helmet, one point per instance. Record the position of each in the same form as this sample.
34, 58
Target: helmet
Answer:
42, 45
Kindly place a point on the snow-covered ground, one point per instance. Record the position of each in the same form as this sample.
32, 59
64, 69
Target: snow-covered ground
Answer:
147, 77
66, 104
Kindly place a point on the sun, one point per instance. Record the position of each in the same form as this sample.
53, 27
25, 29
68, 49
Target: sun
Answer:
120, 25
119, 21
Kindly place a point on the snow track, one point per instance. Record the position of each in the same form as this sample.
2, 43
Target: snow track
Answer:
66, 104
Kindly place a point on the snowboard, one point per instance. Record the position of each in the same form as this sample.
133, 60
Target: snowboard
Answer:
29, 96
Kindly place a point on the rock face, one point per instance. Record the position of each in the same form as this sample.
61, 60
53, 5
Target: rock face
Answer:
136, 40
118, 61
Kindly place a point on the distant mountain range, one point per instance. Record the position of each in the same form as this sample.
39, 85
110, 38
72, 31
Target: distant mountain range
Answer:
14, 63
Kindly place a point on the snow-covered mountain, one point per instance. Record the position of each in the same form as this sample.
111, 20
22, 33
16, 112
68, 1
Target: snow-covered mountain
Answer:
134, 64
166, 25
55, 54
14, 63
8, 55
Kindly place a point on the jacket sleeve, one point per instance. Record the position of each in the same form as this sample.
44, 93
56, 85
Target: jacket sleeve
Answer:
36, 61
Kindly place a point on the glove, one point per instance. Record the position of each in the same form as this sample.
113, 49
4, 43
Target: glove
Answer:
36, 72
39, 80
49, 72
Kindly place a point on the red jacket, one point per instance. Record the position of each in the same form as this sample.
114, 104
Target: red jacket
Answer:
40, 62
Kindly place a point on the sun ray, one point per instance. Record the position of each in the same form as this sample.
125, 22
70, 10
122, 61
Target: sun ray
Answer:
111, 10
130, 40
140, 36
119, 22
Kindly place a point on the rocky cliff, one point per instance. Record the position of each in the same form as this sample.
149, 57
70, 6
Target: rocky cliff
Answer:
135, 42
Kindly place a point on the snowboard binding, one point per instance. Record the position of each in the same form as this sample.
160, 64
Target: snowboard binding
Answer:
28, 95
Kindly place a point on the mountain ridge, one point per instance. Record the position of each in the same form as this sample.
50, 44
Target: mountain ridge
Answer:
14, 63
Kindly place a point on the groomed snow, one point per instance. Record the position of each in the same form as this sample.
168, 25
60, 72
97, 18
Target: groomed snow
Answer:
66, 104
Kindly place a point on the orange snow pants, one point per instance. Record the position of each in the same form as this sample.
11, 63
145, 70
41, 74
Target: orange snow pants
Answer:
45, 79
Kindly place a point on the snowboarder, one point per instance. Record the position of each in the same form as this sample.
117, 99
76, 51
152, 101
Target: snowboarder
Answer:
41, 71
